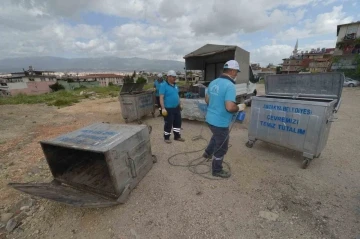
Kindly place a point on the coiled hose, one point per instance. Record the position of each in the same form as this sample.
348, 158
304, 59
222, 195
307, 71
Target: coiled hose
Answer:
193, 164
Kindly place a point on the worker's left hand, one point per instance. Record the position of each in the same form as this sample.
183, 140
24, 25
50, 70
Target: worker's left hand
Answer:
181, 107
242, 107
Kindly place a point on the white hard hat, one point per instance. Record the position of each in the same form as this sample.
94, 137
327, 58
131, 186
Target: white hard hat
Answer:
232, 64
160, 75
171, 73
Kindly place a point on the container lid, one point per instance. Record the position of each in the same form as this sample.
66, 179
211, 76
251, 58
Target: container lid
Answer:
132, 88
98, 137
318, 85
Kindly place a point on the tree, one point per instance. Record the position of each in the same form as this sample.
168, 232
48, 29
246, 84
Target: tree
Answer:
128, 79
133, 75
57, 87
111, 84
141, 80
278, 69
352, 73
271, 65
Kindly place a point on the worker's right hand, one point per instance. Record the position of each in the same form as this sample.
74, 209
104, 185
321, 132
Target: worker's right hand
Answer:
241, 107
164, 112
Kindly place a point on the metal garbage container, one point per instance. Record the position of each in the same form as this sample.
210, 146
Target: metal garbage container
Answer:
135, 102
296, 112
96, 166
194, 109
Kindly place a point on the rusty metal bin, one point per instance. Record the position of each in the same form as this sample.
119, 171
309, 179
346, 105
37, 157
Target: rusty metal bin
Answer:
136, 103
96, 166
296, 112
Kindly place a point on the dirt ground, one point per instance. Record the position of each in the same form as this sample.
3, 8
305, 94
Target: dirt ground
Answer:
268, 195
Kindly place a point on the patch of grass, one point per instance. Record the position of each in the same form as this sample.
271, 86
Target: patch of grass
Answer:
61, 98
2, 142
63, 102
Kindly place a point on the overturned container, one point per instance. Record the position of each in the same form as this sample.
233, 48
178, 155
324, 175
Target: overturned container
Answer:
96, 166
135, 102
296, 112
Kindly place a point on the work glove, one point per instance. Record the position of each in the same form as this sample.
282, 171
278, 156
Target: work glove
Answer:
164, 112
241, 107
181, 107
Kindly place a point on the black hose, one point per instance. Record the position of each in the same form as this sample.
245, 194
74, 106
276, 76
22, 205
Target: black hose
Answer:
193, 164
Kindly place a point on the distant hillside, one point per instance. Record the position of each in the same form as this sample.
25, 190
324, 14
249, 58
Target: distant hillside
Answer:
89, 64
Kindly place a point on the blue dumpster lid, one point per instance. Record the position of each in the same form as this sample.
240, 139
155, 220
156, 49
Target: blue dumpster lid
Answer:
98, 137
317, 85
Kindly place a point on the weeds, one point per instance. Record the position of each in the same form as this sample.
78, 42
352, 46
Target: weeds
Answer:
64, 98
61, 98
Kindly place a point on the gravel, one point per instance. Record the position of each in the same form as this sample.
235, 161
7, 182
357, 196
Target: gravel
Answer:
267, 196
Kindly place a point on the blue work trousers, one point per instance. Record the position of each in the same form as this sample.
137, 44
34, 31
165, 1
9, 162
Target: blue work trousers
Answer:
218, 146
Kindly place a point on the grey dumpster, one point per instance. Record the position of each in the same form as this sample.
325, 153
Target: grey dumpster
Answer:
296, 112
194, 109
136, 103
96, 166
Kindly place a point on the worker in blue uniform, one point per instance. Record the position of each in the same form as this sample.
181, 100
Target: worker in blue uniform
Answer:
157, 85
171, 108
222, 107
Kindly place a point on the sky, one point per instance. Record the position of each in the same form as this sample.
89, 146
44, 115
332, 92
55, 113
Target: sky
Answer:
169, 29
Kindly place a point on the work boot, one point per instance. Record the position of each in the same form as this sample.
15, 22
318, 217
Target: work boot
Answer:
222, 174
180, 139
207, 156
168, 141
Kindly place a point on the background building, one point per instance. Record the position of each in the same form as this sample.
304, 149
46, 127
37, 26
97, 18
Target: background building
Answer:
314, 61
30, 82
104, 79
346, 54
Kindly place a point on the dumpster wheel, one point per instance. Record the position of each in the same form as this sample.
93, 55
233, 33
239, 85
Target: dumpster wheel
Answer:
249, 144
154, 158
305, 163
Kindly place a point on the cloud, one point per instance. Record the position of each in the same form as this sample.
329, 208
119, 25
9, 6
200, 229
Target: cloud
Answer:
242, 16
275, 53
324, 23
317, 44
155, 29
271, 54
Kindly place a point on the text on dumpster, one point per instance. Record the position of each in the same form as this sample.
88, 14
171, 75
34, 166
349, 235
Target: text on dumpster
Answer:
282, 123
